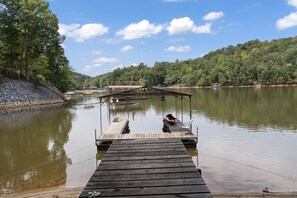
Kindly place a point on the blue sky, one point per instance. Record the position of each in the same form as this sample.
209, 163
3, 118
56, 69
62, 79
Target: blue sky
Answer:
102, 35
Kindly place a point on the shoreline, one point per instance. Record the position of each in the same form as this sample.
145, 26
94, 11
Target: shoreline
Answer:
240, 86
64, 192
21, 94
22, 106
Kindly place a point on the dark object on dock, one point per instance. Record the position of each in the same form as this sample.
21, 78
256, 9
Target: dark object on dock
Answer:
174, 128
152, 168
265, 190
170, 119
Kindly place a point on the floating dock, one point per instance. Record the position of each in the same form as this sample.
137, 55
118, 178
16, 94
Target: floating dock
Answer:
118, 126
146, 168
119, 130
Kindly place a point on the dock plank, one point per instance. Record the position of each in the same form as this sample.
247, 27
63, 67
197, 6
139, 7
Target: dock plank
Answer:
131, 158
135, 136
145, 183
153, 161
163, 190
146, 171
141, 177
147, 168
152, 153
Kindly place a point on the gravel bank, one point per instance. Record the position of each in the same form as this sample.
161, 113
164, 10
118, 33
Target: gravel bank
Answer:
22, 94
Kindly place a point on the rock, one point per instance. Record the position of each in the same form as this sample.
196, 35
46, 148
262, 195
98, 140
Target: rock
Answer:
19, 93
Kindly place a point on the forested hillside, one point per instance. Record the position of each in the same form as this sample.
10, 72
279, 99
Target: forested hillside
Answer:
80, 80
30, 45
250, 63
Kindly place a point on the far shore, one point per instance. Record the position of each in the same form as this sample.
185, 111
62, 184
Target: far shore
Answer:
5, 106
72, 192
230, 86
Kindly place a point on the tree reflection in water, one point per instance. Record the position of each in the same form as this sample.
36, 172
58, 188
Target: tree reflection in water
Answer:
32, 148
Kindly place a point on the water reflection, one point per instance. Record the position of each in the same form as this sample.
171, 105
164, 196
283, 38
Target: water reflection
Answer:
32, 148
249, 107
52, 146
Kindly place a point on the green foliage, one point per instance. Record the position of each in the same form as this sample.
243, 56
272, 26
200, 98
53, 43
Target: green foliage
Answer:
80, 80
30, 43
250, 63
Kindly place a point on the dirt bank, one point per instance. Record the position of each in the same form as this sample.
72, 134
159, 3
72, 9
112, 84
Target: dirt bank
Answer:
75, 191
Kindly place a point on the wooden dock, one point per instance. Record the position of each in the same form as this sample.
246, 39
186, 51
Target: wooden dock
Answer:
146, 168
105, 140
119, 130
118, 126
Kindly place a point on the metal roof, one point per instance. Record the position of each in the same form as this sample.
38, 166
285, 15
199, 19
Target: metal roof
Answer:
144, 90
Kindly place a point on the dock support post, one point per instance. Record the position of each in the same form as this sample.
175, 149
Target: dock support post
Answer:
197, 134
175, 106
95, 137
101, 115
182, 108
190, 98
190, 101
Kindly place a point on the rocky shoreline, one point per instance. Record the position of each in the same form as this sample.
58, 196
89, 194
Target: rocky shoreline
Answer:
15, 94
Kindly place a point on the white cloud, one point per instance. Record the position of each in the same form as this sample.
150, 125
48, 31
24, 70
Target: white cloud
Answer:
127, 48
118, 66
86, 68
206, 28
287, 22
65, 29
292, 3
99, 62
104, 60
185, 24
82, 33
212, 16
111, 40
185, 48
97, 52
176, 40
137, 30
63, 45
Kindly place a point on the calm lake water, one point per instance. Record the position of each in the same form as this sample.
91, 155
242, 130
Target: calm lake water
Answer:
247, 139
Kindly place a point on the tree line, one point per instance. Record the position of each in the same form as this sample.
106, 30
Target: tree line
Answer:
30, 45
251, 63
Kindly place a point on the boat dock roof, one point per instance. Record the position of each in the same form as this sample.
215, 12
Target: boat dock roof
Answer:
143, 90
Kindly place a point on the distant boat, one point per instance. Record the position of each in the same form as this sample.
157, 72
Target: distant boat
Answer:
216, 86
258, 85
88, 93
89, 107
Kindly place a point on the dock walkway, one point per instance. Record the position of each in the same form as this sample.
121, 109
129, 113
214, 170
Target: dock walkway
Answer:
146, 168
118, 126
